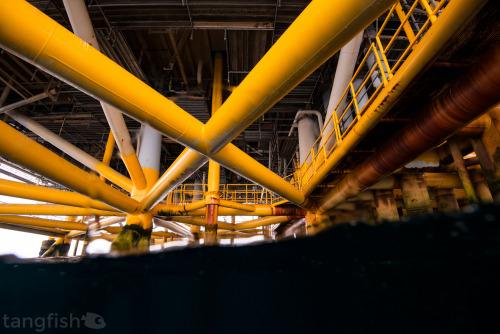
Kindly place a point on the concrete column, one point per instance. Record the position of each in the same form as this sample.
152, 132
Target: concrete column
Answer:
487, 149
446, 200
462, 172
308, 133
385, 205
343, 74
415, 195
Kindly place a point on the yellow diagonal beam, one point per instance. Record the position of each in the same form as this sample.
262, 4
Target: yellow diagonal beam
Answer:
45, 194
26, 152
52, 210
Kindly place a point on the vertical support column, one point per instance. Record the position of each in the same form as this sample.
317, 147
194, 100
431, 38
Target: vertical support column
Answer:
136, 234
197, 196
487, 149
458, 158
481, 186
212, 208
446, 200
415, 195
385, 205
308, 133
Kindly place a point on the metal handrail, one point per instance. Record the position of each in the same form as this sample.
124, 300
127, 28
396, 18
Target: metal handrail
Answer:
323, 146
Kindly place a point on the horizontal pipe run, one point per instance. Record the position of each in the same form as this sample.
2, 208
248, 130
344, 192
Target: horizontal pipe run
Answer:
194, 206
470, 96
71, 150
25, 229
264, 221
236, 205
45, 194
452, 19
51, 210
30, 221
28, 153
260, 210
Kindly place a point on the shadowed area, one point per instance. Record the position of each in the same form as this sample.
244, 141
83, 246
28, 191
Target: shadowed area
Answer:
435, 274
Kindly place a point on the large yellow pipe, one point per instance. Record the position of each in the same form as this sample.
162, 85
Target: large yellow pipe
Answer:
264, 221
28, 153
317, 34
52, 210
451, 20
260, 210
44, 194
30, 221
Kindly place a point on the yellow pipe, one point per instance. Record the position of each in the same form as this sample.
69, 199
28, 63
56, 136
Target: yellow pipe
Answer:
452, 19
108, 152
44, 194
261, 222
34, 156
195, 205
199, 221
212, 197
30, 221
317, 34
236, 205
260, 210
40, 230
213, 167
51, 209
72, 150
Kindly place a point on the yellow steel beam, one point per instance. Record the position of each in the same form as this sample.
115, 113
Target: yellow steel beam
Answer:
108, 152
34, 156
30, 221
260, 210
39, 193
51, 232
212, 196
317, 34
264, 221
52, 210
450, 22
236, 205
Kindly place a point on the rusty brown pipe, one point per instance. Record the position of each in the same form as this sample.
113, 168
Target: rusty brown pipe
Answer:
470, 96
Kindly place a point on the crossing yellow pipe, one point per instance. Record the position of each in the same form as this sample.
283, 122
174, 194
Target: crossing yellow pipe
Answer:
264, 221
30, 221
45, 194
317, 34
260, 210
34, 156
52, 210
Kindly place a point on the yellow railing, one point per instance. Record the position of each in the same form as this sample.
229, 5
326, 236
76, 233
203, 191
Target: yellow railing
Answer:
373, 73
241, 193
